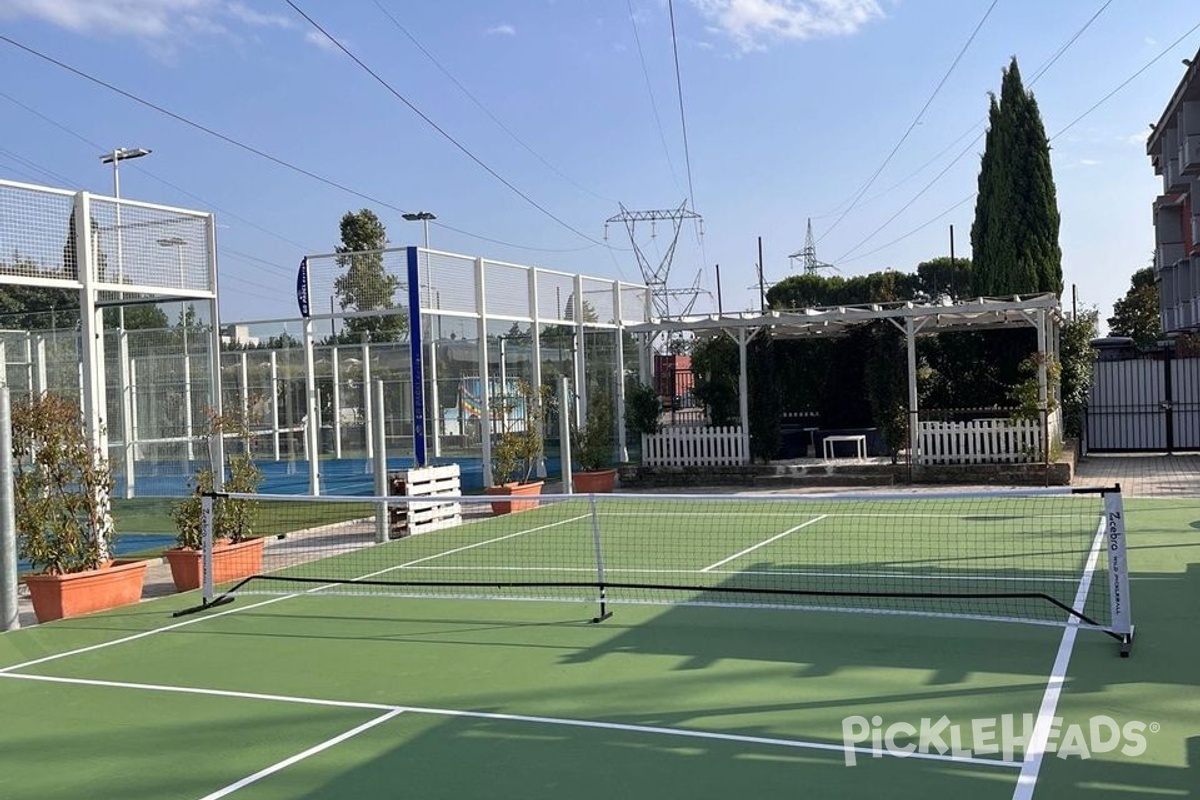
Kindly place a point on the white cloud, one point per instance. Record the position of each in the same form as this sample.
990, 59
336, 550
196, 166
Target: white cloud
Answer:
752, 24
1138, 139
1088, 162
143, 19
1150, 40
321, 42
503, 29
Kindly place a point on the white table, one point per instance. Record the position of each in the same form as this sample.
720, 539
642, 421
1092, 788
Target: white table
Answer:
859, 440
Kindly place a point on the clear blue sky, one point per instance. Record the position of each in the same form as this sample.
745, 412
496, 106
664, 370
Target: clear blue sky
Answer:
791, 106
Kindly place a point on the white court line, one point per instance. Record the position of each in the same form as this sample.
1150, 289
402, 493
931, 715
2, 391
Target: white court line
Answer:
159, 687
1031, 765
773, 572
393, 710
204, 617
763, 543
287, 762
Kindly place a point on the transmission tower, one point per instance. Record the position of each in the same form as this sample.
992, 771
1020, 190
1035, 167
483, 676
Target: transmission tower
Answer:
656, 276
808, 256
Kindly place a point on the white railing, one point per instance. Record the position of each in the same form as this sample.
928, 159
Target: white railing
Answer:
981, 441
694, 447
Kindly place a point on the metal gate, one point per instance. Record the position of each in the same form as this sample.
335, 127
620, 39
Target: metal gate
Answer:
1144, 402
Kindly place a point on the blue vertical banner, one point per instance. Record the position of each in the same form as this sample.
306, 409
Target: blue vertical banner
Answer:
415, 352
302, 298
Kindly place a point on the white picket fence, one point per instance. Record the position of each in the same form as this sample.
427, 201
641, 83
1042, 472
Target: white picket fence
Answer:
980, 441
695, 447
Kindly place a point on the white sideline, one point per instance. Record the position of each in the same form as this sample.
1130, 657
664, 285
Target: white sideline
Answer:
287, 762
763, 543
1031, 765
393, 710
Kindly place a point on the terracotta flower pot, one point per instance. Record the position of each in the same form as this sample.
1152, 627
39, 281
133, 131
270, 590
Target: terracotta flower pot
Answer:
595, 481
58, 596
230, 562
515, 490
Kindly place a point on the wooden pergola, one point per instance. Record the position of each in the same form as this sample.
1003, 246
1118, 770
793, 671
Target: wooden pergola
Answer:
1041, 312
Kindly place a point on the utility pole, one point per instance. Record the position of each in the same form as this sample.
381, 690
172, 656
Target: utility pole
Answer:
762, 289
952, 264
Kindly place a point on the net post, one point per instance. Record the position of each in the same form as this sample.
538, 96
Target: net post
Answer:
1118, 570
206, 532
600, 584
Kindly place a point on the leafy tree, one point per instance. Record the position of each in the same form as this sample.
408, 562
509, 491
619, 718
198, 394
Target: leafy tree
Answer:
886, 377
1014, 238
1136, 314
366, 285
715, 368
71, 257
941, 276
1078, 363
763, 398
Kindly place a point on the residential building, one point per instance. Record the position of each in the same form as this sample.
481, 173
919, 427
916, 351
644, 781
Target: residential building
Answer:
1174, 149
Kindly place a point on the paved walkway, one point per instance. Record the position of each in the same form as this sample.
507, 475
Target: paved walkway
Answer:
1153, 475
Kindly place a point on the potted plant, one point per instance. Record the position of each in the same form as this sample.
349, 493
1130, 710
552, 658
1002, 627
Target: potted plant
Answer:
517, 449
592, 448
237, 553
62, 489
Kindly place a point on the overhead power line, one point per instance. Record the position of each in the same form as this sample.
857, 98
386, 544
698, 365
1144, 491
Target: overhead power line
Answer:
912, 125
485, 109
1063, 130
687, 156
650, 91
246, 147
198, 126
1036, 77
445, 134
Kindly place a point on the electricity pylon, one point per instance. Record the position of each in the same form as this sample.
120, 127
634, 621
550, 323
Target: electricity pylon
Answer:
656, 276
808, 256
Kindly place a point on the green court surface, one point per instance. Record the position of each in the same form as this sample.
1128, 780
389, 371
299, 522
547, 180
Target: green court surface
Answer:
329, 696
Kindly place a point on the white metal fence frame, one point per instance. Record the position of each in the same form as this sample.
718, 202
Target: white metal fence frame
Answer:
154, 263
479, 297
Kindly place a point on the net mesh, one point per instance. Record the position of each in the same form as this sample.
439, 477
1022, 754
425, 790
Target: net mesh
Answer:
1009, 557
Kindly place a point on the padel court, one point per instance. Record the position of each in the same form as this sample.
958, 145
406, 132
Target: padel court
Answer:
740, 640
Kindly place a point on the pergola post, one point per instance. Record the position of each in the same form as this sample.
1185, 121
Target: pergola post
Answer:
914, 420
744, 389
619, 389
1043, 382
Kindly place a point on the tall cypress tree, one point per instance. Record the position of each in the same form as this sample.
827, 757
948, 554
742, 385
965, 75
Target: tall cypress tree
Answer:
1014, 238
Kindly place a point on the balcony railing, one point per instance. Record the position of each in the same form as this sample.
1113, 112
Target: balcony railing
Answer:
1189, 155
1167, 254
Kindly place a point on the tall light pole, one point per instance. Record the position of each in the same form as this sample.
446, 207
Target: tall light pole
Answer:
422, 217
128, 412
178, 244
